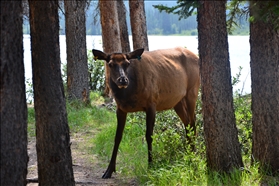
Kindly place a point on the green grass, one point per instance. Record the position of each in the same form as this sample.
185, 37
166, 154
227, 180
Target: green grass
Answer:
31, 129
174, 163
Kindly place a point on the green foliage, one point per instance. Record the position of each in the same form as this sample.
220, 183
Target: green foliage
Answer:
83, 117
243, 115
234, 178
64, 78
29, 91
237, 13
157, 23
188, 170
173, 161
267, 11
237, 10
236, 78
155, 31
184, 8
193, 32
96, 70
31, 129
168, 137
132, 153
64, 75
96, 73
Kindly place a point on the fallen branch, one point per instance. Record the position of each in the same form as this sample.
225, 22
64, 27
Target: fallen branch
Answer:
32, 180
35, 180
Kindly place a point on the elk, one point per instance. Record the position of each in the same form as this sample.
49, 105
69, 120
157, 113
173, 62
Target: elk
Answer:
151, 81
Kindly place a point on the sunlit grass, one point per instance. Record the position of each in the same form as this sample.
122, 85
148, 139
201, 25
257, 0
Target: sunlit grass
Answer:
31, 129
173, 162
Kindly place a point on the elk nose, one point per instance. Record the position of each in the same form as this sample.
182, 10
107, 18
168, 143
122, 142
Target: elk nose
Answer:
123, 80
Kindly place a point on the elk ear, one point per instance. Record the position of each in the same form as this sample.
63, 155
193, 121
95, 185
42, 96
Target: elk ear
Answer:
100, 55
135, 54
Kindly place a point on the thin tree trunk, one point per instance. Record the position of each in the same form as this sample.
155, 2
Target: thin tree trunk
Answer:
138, 24
14, 157
264, 41
110, 32
222, 146
52, 131
77, 66
124, 36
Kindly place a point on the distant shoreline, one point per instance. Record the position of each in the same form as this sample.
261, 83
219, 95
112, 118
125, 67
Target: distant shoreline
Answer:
162, 35
239, 49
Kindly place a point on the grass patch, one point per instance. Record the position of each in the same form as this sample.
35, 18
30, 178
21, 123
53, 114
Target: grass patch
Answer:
132, 154
174, 163
31, 129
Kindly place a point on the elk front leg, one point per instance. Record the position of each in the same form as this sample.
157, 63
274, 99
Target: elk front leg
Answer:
121, 120
150, 120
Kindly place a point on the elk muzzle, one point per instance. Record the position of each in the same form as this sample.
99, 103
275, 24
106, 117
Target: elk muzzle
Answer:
122, 82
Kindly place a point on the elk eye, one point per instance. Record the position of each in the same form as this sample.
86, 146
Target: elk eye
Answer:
125, 65
110, 65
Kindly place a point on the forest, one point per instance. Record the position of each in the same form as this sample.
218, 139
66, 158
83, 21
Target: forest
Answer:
138, 117
158, 23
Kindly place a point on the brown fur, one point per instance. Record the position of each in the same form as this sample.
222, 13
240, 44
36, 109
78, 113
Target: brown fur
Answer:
160, 80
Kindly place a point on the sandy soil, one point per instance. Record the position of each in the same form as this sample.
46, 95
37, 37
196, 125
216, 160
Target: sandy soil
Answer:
86, 173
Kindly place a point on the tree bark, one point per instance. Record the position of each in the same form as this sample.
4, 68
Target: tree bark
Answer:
14, 157
124, 36
138, 24
110, 33
110, 26
52, 131
264, 43
222, 146
77, 66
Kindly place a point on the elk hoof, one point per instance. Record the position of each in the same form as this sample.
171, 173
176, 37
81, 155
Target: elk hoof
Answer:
107, 174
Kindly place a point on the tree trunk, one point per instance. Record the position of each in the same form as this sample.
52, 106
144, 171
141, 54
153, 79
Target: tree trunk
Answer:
110, 32
110, 26
222, 146
52, 131
124, 36
264, 42
77, 67
14, 157
138, 24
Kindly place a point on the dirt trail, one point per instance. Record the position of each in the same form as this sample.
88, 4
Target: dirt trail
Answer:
86, 173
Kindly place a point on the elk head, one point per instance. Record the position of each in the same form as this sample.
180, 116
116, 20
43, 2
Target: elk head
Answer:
118, 64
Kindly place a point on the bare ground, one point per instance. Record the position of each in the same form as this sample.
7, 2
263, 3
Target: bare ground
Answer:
86, 172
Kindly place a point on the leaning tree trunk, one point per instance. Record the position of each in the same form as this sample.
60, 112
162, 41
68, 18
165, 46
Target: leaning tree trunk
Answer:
264, 42
14, 157
77, 66
124, 36
222, 146
138, 24
110, 32
52, 131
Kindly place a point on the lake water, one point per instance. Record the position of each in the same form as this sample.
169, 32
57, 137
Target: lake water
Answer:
239, 49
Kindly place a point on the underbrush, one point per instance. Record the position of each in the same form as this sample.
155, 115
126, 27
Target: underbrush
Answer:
173, 161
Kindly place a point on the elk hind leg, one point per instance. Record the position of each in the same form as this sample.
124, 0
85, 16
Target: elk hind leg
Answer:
182, 111
191, 100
